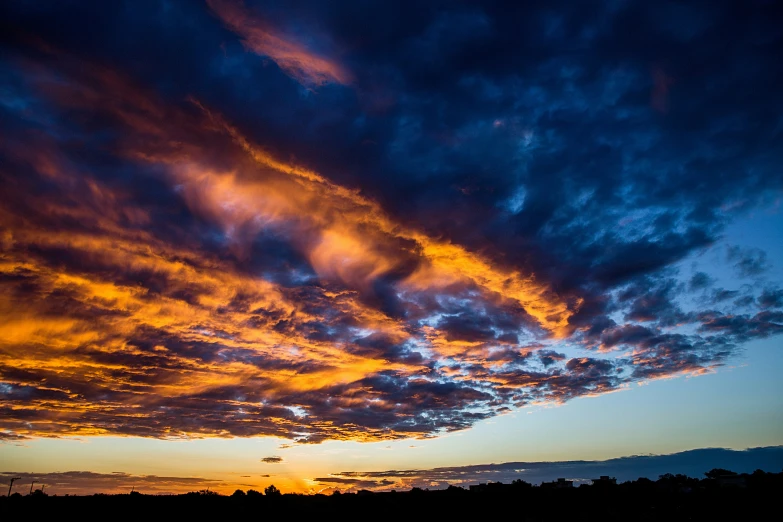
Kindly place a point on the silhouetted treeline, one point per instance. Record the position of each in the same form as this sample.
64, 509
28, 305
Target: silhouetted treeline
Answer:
721, 495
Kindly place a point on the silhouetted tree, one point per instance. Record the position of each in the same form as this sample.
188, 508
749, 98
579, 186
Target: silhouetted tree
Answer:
238, 494
252, 493
203, 493
272, 491
718, 472
643, 484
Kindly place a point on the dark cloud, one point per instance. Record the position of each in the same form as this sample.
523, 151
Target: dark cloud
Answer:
722, 294
745, 301
770, 298
363, 221
550, 357
353, 483
625, 335
743, 327
653, 300
700, 281
272, 460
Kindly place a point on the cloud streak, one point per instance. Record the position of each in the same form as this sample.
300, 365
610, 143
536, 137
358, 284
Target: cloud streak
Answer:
272, 460
305, 66
89, 483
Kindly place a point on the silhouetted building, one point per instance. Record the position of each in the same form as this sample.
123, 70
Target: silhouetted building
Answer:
560, 483
491, 487
605, 480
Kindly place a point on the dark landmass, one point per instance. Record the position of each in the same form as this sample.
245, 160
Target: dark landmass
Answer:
721, 495
692, 463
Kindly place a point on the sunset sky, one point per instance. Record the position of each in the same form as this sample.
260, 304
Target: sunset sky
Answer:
310, 243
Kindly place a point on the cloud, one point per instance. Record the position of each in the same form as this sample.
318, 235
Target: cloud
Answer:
181, 324
744, 327
770, 298
700, 281
653, 300
550, 357
6, 436
305, 66
192, 246
89, 483
748, 262
722, 294
272, 460
356, 484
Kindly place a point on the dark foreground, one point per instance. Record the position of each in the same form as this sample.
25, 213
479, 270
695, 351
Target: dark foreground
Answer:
755, 496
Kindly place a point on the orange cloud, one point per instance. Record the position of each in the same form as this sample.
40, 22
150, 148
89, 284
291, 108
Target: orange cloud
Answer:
116, 319
356, 243
295, 59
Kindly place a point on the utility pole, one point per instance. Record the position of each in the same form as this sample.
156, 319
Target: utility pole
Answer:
12, 484
31, 487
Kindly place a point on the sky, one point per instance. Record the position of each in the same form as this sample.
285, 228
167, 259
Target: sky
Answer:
312, 243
